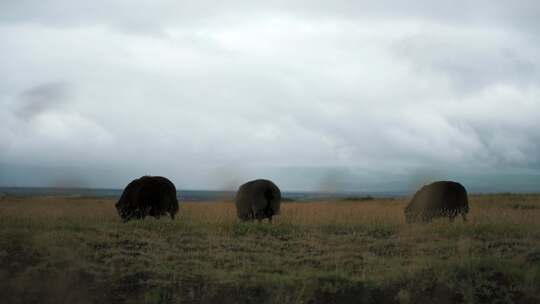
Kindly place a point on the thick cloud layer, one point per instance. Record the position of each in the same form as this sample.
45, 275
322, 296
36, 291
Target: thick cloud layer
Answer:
343, 95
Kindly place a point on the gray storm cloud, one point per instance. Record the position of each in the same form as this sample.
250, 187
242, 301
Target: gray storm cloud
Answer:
41, 98
347, 95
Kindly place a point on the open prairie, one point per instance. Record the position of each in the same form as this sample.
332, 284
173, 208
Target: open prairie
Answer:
76, 250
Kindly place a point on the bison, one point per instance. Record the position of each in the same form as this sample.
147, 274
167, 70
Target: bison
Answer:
148, 196
257, 199
439, 199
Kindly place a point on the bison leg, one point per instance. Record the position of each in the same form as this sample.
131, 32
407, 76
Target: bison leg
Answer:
172, 216
464, 216
270, 219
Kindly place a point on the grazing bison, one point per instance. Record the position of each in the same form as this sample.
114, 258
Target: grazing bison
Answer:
439, 199
148, 196
257, 199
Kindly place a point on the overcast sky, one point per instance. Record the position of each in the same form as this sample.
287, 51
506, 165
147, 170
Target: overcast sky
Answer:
316, 95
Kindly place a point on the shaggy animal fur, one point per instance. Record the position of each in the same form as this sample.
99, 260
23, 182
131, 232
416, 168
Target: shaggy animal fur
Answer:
257, 199
148, 196
439, 199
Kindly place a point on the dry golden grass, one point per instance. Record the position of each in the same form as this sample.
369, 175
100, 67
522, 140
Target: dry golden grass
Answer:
500, 208
316, 252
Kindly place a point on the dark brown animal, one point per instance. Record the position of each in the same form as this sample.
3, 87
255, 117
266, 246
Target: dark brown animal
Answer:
257, 199
148, 196
439, 199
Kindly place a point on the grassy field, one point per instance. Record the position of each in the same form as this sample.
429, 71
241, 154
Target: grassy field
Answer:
76, 250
